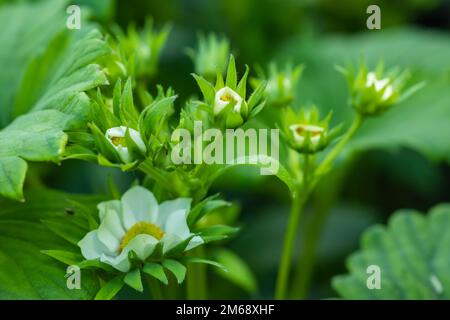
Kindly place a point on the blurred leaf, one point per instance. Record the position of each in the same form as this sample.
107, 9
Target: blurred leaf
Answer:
264, 163
25, 271
413, 254
237, 271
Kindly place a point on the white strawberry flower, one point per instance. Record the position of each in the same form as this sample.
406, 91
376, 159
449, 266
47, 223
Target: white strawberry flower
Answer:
225, 96
116, 136
137, 223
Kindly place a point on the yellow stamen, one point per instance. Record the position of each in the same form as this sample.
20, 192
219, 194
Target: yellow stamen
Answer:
118, 141
314, 132
226, 97
141, 227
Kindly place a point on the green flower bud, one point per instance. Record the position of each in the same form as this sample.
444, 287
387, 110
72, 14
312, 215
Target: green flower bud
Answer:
136, 52
371, 92
227, 99
305, 132
281, 84
211, 55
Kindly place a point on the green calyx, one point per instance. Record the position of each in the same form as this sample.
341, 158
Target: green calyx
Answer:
306, 132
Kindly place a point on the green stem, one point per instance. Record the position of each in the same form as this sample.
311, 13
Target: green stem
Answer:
288, 246
323, 201
196, 286
299, 200
331, 156
155, 288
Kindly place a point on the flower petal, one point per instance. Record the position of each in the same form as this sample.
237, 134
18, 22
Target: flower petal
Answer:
176, 224
111, 231
143, 245
136, 137
195, 241
91, 246
138, 204
108, 205
167, 207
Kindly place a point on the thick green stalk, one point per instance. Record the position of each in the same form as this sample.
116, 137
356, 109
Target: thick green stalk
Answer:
288, 246
324, 199
155, 288
308, 184
196, 287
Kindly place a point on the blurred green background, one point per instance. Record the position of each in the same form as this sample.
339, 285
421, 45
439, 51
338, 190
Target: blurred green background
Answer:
399, 161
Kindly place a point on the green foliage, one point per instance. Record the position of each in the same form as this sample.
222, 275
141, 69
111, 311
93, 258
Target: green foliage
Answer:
419, 123
37, 136
413, 256
25, 271
235, 270
50, 72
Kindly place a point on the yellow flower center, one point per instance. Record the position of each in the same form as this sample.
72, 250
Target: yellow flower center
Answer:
141, 227
118, 141
314, 131
226, 97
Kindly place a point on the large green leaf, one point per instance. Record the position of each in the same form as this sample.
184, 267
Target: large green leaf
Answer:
44, 66
36, 136
413, 254
25, 271
420, 122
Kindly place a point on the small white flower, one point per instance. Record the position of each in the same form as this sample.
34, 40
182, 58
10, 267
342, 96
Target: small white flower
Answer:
224, 96
300, 131
380, 85
137, 223
116, 136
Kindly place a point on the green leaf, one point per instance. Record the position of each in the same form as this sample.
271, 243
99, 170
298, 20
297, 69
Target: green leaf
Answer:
59, 226
237, 271
67, 257
231, 81
110, 289
256, 97
205, 261
206, 88
133, 279
128, 113
413, 256
36, 136
242, 86
157, 271
45, 66
216, 232
12, 177
27, 32
25, 271
178, 270
263, 162
205, 207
